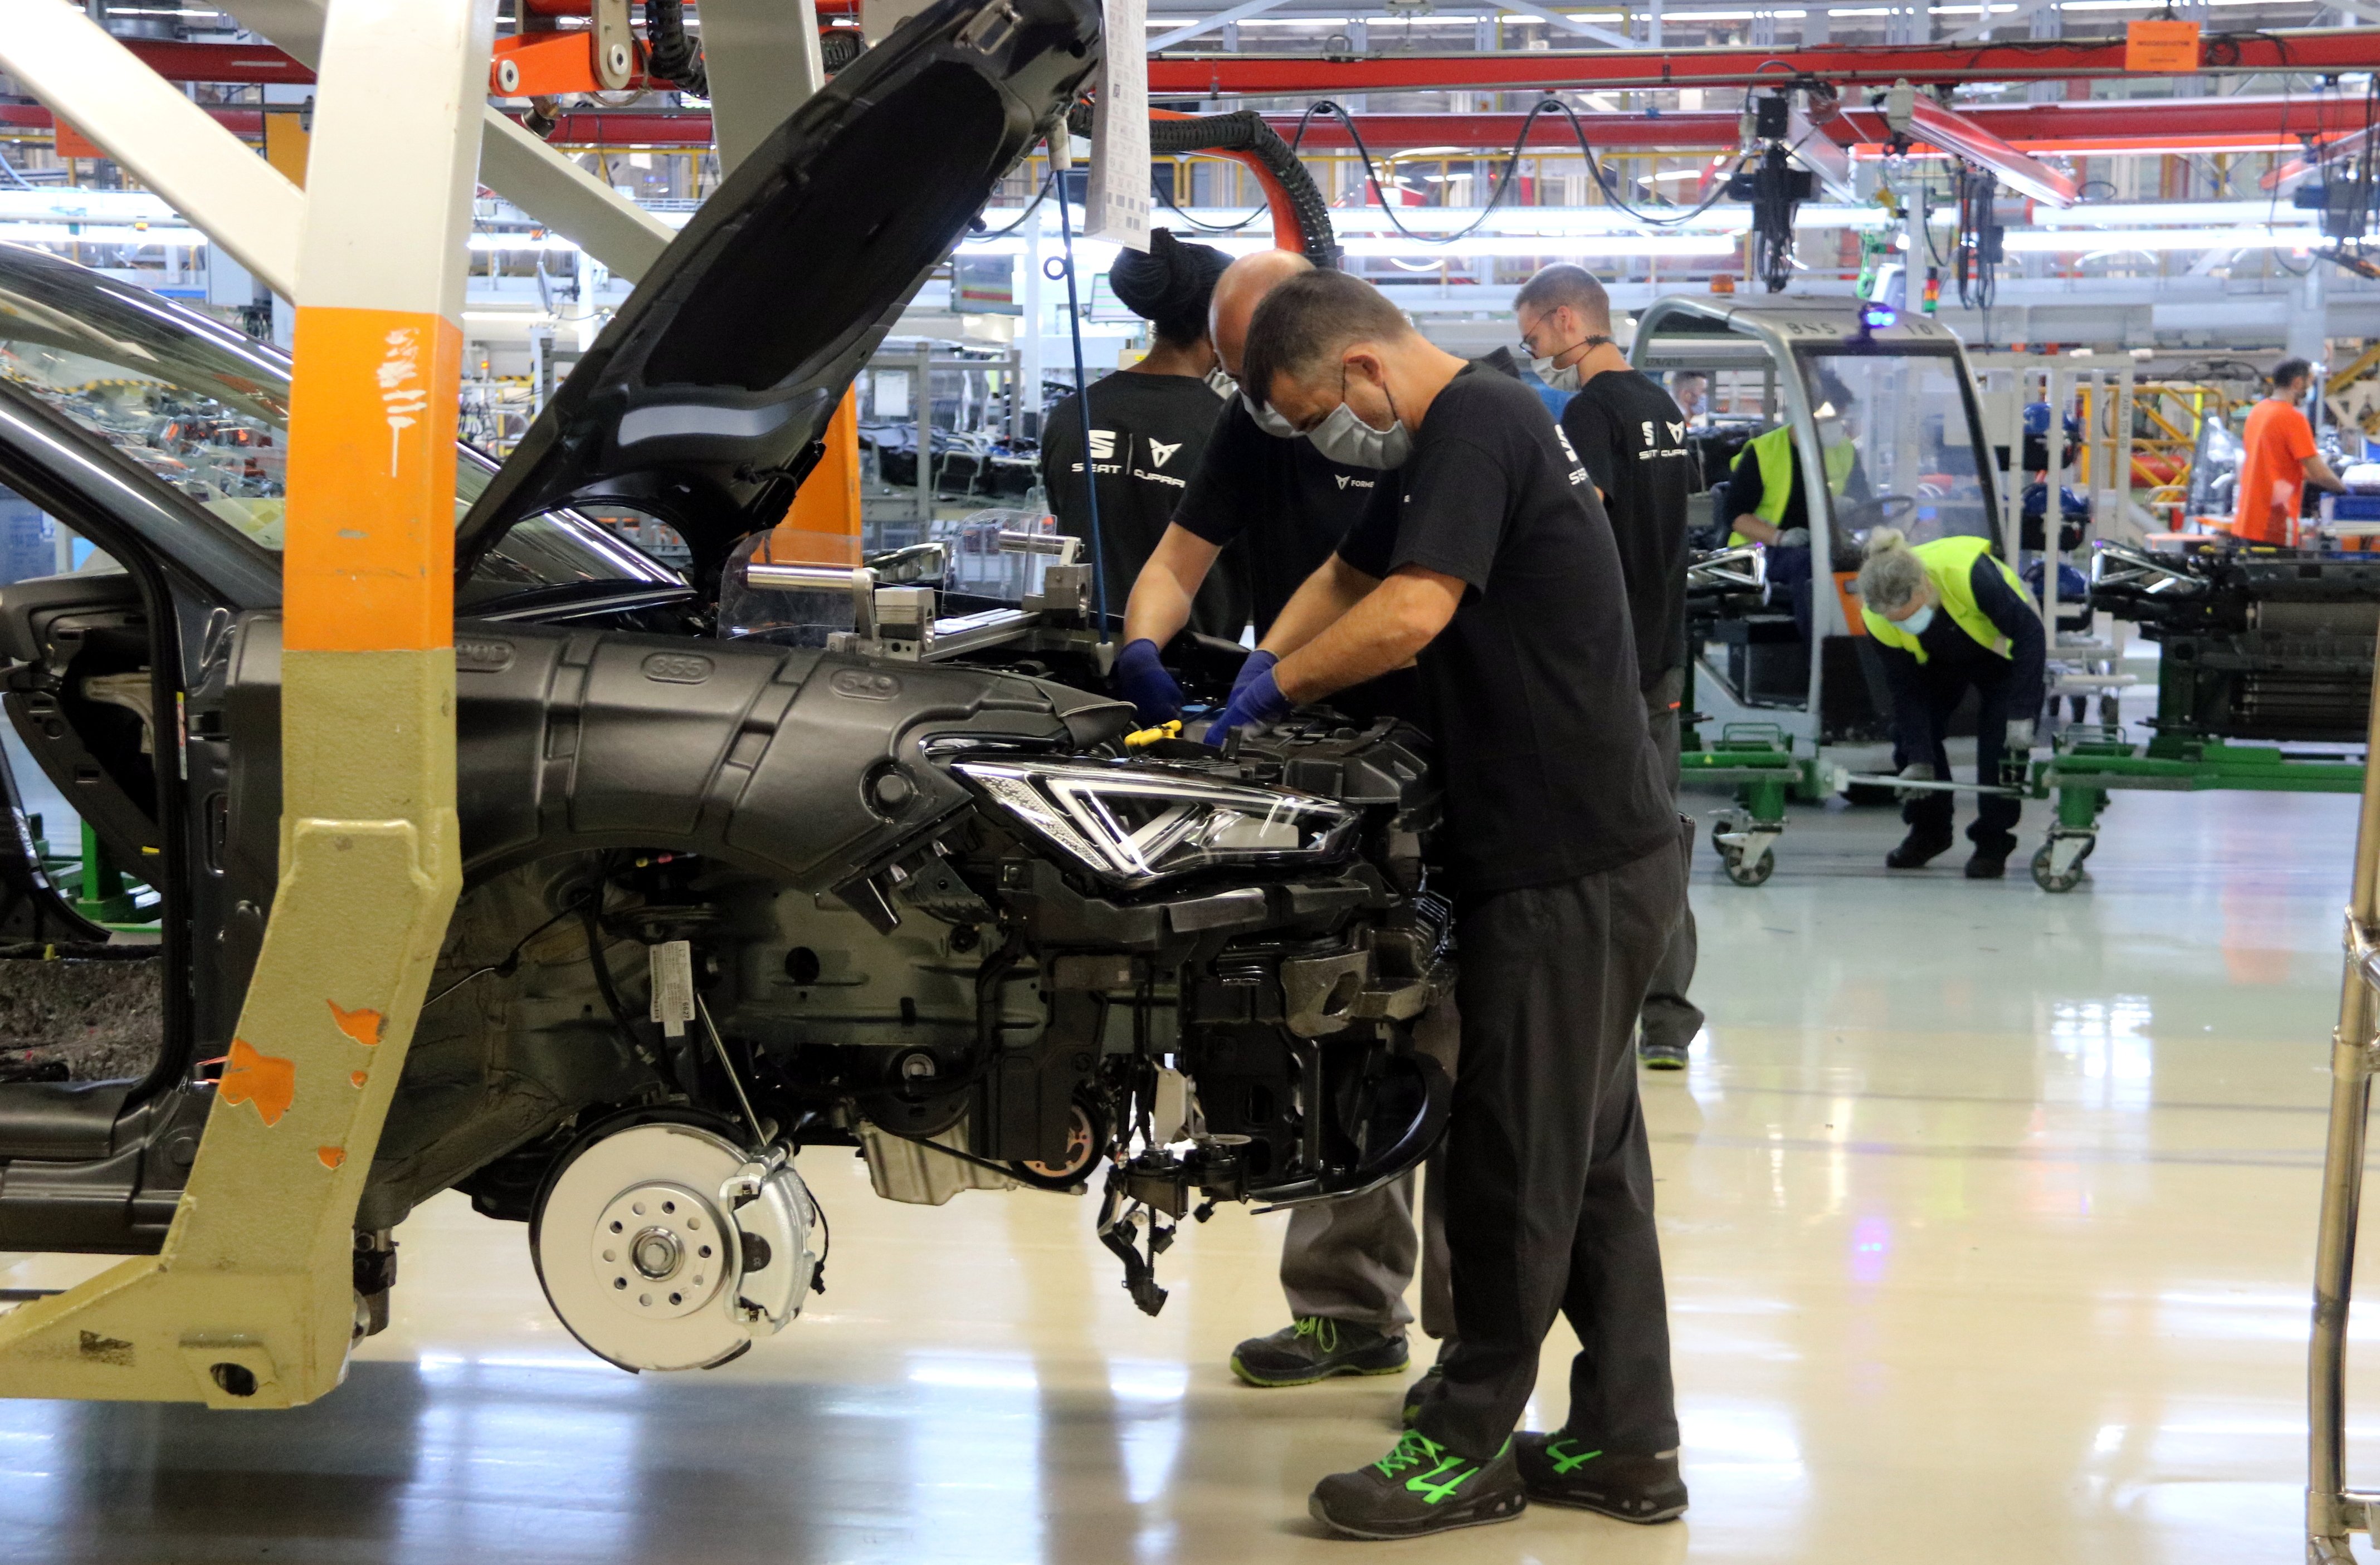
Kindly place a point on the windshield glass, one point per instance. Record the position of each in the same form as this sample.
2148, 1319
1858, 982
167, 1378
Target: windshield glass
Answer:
206, 412
1906, 443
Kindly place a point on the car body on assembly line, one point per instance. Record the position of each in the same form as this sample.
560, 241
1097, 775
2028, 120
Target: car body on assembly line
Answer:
730, 893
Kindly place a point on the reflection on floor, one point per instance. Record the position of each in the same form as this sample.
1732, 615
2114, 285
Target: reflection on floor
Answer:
1988, 1216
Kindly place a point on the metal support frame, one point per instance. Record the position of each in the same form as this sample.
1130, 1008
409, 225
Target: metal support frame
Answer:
542, 181
764, 63
251, 1300
2333, 1510
71, 64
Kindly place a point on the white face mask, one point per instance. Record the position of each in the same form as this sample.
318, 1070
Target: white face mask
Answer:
1346, 439
1915, 623
1563, 379
1267, 421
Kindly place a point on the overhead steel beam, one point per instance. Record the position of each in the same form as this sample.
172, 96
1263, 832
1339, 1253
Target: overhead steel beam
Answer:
2306, 53
534, 178
1569, 23
1204, 25
244, 203
1990, 22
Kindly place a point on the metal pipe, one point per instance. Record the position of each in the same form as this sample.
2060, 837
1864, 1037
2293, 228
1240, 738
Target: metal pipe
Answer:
2331, 1515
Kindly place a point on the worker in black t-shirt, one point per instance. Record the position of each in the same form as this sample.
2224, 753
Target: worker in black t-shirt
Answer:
1633, 439
1497, 570
1150, 428
1279, 500
1344, 1265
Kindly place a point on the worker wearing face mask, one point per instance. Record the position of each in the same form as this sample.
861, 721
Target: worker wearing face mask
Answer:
1495, 570
1946, 616
1150, 428
1633, 440
1288, 502
1765, 491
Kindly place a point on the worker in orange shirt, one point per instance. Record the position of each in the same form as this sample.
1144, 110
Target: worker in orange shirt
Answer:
2278, 460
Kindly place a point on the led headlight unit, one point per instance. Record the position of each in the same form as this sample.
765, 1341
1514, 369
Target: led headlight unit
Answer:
1136, 824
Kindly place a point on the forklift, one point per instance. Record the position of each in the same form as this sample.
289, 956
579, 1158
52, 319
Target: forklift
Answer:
1881, 402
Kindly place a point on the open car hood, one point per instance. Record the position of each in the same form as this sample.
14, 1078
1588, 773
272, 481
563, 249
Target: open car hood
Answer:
705, 400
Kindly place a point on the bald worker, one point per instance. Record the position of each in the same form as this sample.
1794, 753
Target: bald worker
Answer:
1344, 1265
1290, 504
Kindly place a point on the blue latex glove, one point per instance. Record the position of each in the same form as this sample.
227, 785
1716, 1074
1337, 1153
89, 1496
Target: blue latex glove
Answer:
1141, 679
1257, 662
1254, 704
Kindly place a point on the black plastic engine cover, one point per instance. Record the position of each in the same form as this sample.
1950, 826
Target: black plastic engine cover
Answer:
776, 759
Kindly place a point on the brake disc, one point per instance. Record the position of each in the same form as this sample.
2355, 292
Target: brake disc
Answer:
665, 1246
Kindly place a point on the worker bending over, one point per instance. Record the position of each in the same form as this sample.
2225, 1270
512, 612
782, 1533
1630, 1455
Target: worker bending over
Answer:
1633, 439
2277, 459
1946, 615
1344, 1265
1497, 570
1149, 429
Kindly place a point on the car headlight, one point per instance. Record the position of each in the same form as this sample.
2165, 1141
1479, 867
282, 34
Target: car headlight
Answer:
1136, 824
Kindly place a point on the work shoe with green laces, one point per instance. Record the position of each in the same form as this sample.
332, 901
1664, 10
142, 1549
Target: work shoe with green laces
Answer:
1418, 1488
1317, 1348
1562, 1469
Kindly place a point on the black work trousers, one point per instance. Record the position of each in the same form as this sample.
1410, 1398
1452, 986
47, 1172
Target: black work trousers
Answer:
1941, 688
1549, 1199
1669, 1018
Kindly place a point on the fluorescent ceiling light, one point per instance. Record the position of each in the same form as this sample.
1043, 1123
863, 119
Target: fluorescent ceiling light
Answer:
2053, 242
521, 242
1554, 245
99, 234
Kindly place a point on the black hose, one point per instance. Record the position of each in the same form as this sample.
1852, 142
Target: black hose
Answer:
669, 54
1244, 131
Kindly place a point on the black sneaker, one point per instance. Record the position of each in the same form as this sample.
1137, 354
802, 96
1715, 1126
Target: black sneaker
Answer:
1662, 1056
1419, 1392
1561, 1470
1987, 866
1917, 850
1317, 1348
1418, 1488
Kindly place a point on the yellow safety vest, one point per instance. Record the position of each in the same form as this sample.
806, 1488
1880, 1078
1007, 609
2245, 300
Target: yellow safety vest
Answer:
1949, 565
1774, 452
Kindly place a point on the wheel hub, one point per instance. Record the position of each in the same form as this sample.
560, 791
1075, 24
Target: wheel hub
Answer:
661, 1250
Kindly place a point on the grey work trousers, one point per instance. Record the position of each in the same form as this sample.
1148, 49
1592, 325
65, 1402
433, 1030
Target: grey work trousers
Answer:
1669, 1017
1549, 1197
1351, 1259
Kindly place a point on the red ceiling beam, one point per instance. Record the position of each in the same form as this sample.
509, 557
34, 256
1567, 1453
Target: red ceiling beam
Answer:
247, 65
2317, 52
2314, 52
33, 116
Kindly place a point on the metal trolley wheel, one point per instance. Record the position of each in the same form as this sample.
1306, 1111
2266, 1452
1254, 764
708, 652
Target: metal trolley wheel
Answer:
2050, 880
1754, 874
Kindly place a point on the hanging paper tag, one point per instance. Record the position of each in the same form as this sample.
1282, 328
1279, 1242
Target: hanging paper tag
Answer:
672, 973
1118, 196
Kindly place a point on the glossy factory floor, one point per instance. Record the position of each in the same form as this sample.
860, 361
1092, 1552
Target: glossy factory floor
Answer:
1988, 1218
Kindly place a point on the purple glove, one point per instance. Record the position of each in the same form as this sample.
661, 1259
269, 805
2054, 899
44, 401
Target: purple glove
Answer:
1257, 662
1253, 705
1141, 679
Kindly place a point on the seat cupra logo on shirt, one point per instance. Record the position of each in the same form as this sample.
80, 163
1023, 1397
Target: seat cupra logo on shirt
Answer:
1160, 453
